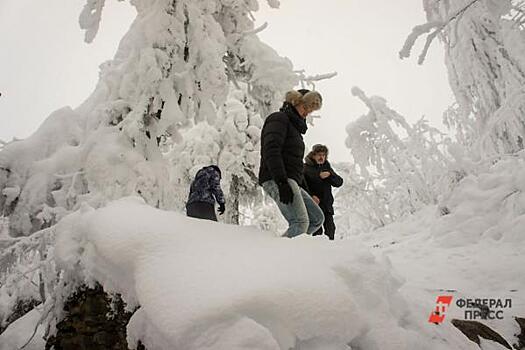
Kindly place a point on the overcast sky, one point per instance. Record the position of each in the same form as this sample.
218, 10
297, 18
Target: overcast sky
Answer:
45, 64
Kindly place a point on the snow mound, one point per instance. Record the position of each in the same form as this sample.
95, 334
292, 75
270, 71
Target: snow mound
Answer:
490, 205
21, 331
205, 285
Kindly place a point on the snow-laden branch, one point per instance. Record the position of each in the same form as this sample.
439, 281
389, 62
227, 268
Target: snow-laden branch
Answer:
319, 77
312, 79
89, 19
274, 3
419, 30
518, 12
360, 94
67, 176
256, 30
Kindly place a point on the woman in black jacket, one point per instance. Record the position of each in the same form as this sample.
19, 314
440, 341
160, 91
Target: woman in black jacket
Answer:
320, 178
281, 170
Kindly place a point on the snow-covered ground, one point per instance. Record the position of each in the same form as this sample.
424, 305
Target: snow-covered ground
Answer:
478, 270
207, 285
474, 252
19, 332
204, 285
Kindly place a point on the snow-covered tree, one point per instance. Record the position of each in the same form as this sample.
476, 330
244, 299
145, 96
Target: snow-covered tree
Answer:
231, 142
397, 169
258, 78
172, 75
251, 61
484, 50
240, 129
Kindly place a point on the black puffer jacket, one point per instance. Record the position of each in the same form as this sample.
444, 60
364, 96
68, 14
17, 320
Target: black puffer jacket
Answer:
282, 146
322, 188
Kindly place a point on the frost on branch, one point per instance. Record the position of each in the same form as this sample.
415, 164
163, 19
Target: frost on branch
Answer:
437, 25
268, 76
484, 45
232, 142
417, 31
274, 3
184, 68
89, 19
311, 80
398, 168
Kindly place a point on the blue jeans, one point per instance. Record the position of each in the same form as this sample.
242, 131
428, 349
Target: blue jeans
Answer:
303, 215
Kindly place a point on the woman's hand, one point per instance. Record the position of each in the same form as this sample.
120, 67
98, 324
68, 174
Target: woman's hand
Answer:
324, 174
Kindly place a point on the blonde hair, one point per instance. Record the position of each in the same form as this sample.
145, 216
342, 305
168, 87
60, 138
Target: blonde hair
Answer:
295, 98
311, 100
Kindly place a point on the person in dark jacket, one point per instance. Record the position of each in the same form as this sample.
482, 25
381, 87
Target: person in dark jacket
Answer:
281, 169
320, 178
204, 191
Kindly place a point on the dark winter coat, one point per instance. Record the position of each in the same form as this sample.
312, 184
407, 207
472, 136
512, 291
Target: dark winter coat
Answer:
282, 146
201, 210
206, 187
322, 188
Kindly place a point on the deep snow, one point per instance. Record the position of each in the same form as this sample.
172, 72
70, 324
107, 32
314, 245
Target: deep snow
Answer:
205, 285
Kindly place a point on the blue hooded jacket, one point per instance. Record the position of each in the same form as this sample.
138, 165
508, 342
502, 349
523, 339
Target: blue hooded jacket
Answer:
206, 187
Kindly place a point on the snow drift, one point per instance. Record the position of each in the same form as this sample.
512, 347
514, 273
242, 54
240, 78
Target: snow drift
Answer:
204, 285
488, 204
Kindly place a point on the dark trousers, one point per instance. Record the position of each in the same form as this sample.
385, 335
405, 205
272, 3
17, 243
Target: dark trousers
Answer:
201, 210
328, 226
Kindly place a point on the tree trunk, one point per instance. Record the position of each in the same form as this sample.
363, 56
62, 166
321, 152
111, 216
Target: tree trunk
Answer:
93, 321
233, 200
